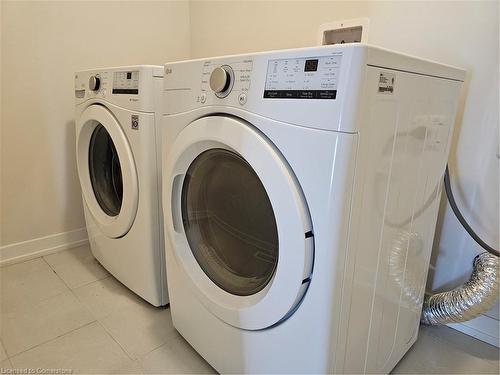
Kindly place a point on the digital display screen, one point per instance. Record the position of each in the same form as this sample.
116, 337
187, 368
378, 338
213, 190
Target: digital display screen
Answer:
129, 75
311, 65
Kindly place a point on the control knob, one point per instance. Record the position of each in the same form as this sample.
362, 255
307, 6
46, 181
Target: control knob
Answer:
220, 80
94, 83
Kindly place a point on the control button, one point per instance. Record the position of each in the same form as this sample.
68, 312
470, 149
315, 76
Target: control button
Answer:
203, 98
272, 94
219, 80
242, 99
94, 83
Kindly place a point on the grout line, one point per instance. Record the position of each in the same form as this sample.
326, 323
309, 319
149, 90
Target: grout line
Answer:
109, 333
53, 270
85, 307
96, 320
143, 370
44, 299
167, 342
90, 282
99, 322
76, 287
84, 304
84, 284
72, 290
52, 339
119, 344
4, 350
10, 364
54, 296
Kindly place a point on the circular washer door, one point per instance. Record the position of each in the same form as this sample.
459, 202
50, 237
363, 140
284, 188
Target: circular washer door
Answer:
239, 224
107, 171
225, 207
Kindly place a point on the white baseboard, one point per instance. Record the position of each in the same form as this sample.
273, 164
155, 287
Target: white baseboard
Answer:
483, 328
22, 251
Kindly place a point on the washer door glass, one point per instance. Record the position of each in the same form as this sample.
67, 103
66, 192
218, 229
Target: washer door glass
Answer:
105, 171
229, 222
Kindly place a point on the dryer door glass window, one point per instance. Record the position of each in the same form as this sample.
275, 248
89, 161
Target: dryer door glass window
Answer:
105, 171
229, 222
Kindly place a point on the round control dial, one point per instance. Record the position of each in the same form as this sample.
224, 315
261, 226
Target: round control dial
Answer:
221, 80
94, 83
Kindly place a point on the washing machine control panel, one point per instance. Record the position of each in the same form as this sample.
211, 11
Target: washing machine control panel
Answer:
126, 82
134, 87
91, 84
302, 78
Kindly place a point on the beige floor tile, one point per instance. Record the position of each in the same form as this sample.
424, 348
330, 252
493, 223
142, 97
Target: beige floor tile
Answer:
76, 266
52, 317
103, 297
430, 355
86, 350
175, 357
26, 283
5, 364
132, 368
464, 343
3, 354
141, 328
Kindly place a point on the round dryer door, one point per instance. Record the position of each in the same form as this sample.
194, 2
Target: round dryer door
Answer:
239, 223
107, 171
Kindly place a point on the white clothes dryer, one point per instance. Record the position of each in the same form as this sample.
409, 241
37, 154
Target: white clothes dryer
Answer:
301, 190
118, 111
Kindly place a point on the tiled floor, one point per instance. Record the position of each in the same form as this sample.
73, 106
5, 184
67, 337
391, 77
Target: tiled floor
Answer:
65, 311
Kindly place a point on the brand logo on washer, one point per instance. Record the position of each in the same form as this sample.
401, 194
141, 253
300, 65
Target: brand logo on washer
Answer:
135, 122
168, 71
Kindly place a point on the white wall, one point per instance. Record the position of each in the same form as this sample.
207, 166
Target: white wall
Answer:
465, 34
43, 44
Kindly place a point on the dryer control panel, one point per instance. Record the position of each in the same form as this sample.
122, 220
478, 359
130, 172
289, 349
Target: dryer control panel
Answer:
305, 87
303, 78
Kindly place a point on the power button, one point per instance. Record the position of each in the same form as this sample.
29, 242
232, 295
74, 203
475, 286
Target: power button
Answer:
242, 98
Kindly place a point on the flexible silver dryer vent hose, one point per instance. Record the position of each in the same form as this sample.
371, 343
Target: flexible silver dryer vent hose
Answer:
474, 297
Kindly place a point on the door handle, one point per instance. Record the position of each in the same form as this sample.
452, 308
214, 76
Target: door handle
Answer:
176, 202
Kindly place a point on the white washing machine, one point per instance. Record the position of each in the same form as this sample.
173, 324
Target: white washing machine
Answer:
301, 190
118, 111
